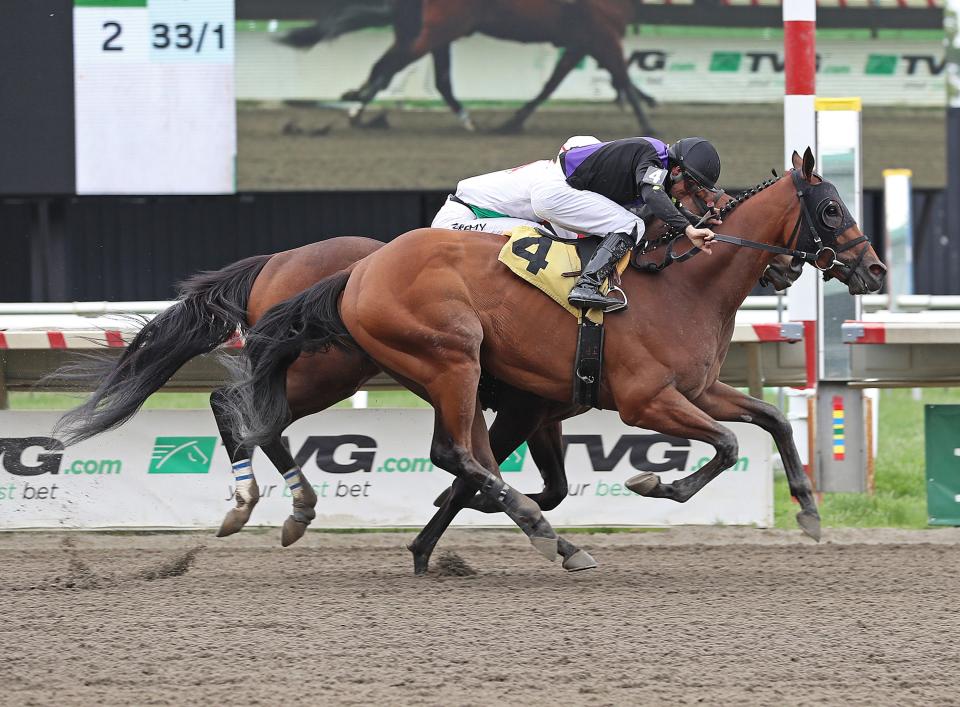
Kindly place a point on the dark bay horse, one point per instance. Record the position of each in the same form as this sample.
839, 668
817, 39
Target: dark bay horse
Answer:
581, 28
452, 309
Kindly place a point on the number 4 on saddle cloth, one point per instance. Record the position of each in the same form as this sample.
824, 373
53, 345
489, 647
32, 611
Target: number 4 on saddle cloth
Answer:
551, 266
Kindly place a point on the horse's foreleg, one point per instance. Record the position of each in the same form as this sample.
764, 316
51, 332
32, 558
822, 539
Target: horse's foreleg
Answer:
671, 413
441, 71
729, 404
568, 60
453, 500
246, 493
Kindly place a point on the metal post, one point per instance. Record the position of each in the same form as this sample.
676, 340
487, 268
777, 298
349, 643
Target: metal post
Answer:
898, 232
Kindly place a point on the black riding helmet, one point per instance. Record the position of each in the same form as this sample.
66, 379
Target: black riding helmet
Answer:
697, 159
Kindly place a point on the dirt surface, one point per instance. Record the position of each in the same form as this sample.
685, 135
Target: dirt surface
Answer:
427, 149
708, 616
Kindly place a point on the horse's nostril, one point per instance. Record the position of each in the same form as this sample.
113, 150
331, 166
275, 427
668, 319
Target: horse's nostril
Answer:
878, 270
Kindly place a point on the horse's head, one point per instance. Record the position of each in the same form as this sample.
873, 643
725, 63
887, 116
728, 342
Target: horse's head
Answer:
826, 228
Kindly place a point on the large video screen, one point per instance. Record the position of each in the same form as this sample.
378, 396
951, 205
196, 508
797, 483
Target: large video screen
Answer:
338, 101
217, 96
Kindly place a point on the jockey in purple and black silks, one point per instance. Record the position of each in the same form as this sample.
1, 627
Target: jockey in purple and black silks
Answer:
605, 189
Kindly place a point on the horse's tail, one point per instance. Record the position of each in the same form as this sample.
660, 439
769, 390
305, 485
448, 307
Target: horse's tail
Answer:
310, 321
343, 17
211, 306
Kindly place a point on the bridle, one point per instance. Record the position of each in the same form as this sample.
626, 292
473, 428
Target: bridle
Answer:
813, 237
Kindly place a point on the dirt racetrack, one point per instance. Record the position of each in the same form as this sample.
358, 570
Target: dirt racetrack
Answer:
708, 615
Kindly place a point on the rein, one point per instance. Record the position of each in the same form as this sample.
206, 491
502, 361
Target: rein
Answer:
823, 258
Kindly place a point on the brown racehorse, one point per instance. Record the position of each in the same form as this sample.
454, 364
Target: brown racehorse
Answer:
214, 305
434, 307
582, 28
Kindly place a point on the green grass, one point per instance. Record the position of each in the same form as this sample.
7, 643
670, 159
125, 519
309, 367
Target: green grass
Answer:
900, 498
193, 401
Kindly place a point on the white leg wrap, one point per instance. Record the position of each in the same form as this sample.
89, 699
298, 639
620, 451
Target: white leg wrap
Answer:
243, 479
295, 482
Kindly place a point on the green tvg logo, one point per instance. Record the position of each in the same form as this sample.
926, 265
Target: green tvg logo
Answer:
182, 455
515, 461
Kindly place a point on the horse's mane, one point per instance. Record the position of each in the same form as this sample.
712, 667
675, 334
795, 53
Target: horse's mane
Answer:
737, 200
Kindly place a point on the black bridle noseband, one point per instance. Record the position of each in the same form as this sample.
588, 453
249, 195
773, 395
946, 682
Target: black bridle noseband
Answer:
813, 238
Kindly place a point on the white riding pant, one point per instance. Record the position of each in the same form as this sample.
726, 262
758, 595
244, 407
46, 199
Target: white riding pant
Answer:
460, 218
506, 191
579, 210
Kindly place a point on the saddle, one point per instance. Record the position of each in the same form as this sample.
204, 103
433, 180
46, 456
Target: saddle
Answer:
551, 265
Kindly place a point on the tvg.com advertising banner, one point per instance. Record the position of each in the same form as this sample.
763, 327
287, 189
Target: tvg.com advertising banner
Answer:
370, 468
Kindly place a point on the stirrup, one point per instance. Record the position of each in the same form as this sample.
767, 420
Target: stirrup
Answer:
617, 307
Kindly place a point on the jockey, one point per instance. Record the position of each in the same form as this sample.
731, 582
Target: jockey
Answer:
599, 189
497, 202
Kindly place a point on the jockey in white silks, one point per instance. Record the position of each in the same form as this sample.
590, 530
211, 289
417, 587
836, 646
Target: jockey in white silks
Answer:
498, 202
593, 189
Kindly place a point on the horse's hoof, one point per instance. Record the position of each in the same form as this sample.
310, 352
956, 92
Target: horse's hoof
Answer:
421, 561
545, 546
292, 531
643, 483
579, 561
234, 521
442, 498
810, 524
378, 123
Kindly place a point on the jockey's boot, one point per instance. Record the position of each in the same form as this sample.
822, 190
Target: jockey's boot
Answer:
586, 291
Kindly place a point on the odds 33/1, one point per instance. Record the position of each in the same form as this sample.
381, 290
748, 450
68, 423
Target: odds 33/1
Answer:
181, 35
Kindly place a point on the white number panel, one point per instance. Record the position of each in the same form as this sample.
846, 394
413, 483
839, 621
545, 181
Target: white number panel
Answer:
155, 101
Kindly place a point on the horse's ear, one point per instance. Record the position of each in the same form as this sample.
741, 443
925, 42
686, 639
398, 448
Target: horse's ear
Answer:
797, 160
808, 163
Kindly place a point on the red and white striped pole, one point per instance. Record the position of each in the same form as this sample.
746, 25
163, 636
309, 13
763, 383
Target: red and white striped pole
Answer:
800, 69
800, 132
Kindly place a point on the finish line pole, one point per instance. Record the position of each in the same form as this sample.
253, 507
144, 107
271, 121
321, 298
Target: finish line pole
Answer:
800, 132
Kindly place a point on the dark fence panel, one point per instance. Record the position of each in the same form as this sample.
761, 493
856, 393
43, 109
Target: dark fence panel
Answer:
111, 248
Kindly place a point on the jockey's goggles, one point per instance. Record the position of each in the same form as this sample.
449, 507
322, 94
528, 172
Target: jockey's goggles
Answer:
698, 185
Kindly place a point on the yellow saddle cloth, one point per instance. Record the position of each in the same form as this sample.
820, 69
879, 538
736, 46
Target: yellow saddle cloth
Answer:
543, 261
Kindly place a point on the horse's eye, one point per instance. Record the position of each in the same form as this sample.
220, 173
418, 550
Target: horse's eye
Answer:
831, 215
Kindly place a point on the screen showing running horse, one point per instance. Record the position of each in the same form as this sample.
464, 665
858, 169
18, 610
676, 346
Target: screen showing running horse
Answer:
411, 94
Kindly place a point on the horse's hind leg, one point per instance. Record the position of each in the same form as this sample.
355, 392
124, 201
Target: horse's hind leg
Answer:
246, 492
314, 383
505, 435
458, 448
304, 497
441, 72
568, 60
728, 404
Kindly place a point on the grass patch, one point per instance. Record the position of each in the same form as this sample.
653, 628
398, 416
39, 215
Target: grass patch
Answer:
41, 400
900, 499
